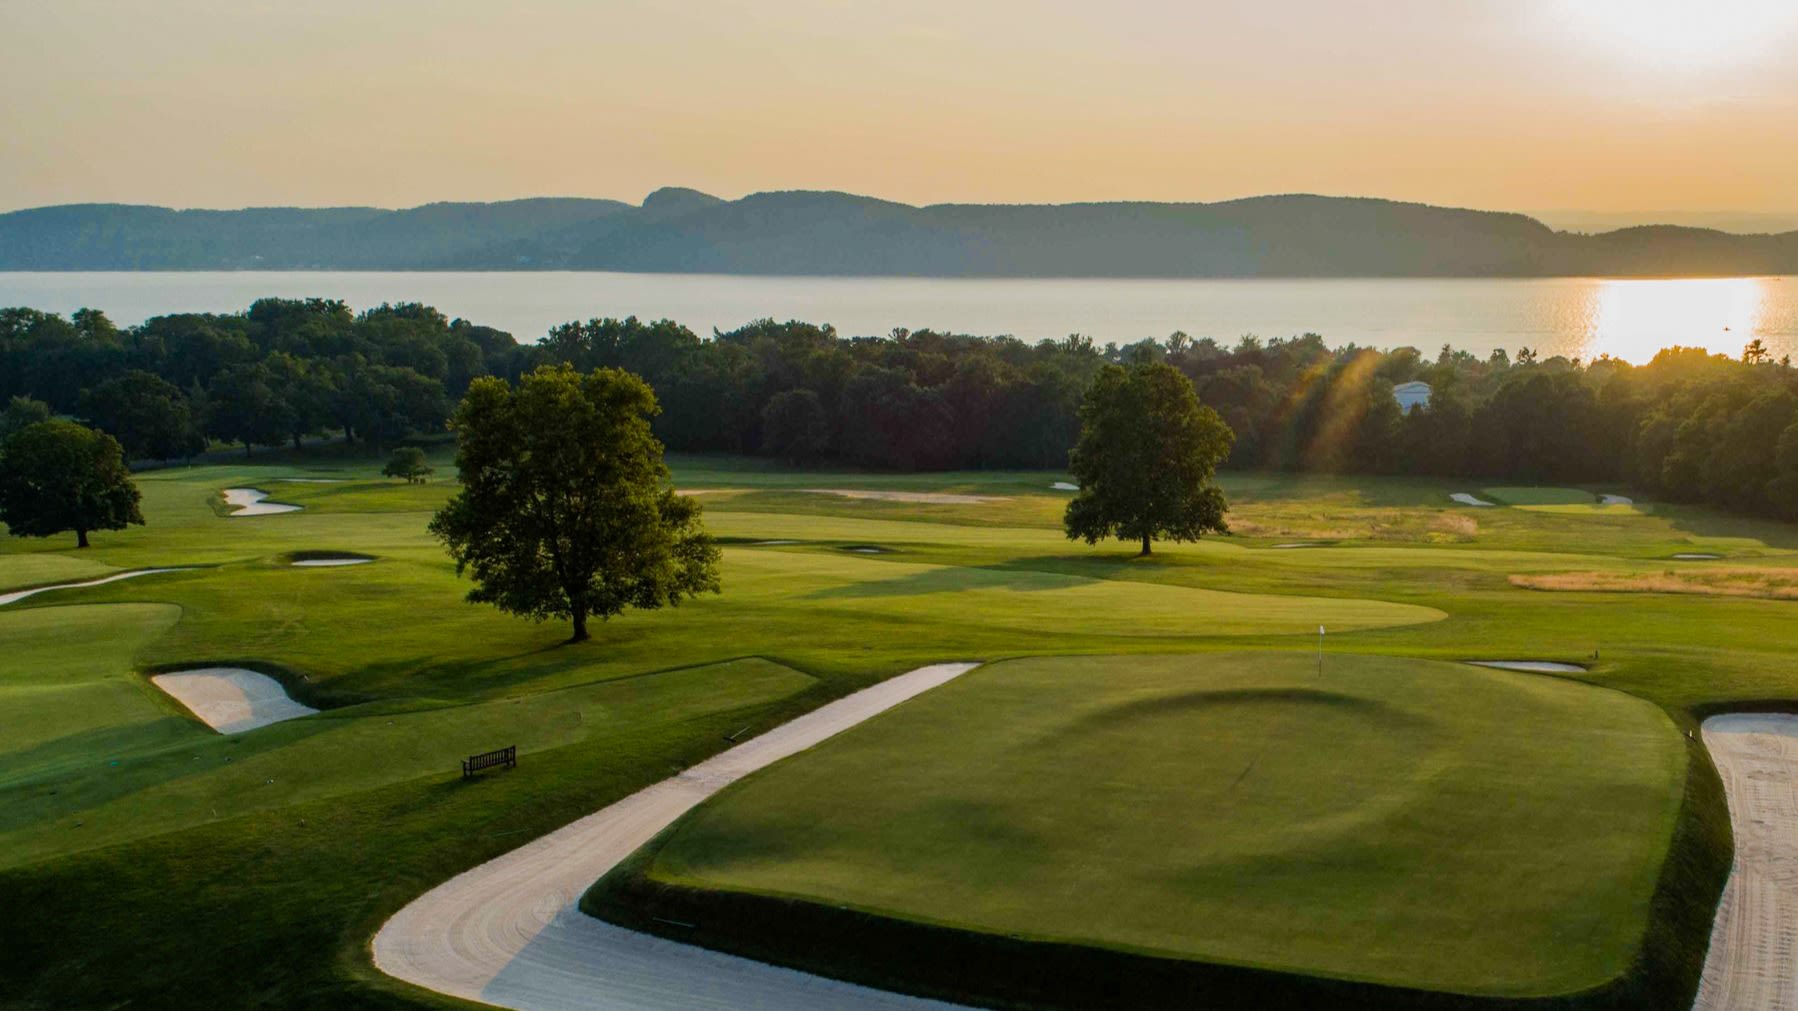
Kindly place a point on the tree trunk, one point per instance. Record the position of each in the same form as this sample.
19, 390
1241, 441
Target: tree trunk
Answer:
296, 440
1145, 544
580, 625
81, 538
246, 447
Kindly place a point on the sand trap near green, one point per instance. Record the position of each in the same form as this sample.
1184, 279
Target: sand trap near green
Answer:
1405, 822
231, 700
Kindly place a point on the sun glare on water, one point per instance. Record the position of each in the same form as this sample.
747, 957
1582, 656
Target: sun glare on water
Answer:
1632, 319
1677, 34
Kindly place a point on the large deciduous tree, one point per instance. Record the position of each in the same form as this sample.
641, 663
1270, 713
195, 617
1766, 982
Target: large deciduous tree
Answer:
57, 476
566, 508
1146, 459
146, 413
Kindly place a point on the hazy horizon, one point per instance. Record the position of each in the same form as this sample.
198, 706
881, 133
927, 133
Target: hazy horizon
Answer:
1570, 220
1623, 111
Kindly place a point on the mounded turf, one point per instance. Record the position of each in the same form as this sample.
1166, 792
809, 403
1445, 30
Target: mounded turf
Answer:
1404, 822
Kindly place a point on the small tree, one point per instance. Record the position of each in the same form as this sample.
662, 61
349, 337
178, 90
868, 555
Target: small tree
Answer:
794, 426
57, 476
1147, 459
408, 462
22, 412
566, 508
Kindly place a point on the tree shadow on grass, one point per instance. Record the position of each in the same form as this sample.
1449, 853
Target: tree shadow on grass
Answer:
78, 772
954, 579
1699, 521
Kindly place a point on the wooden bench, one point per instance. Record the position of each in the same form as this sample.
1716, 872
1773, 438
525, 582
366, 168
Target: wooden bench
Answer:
507, 757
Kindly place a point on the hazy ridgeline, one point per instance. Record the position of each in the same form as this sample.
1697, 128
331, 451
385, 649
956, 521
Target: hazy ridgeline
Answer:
841, 234
1688, 426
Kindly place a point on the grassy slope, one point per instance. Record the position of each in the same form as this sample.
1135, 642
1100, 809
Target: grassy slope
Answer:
296, 866
1471, 831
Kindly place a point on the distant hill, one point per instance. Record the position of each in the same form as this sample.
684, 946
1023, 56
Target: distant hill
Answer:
824, 233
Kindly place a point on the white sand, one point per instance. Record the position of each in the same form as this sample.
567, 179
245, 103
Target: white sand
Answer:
230, 699
1466, 499
1532, 666
774, 543
1696, 556
509, 931
868, 551
249, 502
934, 497
1065, 486
1615, 500
1299, 544
1750, 963
329, 563
17, 595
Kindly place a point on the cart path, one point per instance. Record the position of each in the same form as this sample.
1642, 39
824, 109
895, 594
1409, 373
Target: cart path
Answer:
1751, 962
509, 932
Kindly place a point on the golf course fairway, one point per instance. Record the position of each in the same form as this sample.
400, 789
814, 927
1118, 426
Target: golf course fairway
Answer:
1150, 818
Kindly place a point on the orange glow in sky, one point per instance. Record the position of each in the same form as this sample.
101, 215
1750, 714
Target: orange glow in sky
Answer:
1614, 106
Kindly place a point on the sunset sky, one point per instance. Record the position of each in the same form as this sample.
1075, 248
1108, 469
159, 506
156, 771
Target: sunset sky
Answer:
1559, 107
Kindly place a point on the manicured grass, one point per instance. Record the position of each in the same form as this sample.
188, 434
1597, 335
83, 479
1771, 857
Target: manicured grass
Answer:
1403, 822
1538, 496
145, 877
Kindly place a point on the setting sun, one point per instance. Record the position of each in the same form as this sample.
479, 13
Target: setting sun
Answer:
1665, 35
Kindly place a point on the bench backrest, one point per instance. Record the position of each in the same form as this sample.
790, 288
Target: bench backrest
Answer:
488, 759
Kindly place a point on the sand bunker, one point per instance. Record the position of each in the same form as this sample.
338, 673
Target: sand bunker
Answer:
1300, 544
933, 497
771, 544
330, 563
250, 502
1531, 666
17, 595
1466, 499
1697, 556
510, 932
1065, 486
1750, 962
230, 699
1615, 500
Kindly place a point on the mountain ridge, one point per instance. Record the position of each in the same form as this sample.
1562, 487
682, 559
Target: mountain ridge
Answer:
833, 233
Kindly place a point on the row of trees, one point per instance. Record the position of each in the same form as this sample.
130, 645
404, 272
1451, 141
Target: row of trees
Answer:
1687, 426
283, 370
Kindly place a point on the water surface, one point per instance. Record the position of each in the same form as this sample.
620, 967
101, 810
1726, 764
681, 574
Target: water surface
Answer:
1573, 316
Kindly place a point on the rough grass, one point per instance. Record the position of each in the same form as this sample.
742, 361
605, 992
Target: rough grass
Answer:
1764, 584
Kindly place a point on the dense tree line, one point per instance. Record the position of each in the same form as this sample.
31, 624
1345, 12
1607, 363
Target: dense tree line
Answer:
1687, 426
284, 370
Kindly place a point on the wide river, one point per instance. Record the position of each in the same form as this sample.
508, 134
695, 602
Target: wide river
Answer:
1572, 316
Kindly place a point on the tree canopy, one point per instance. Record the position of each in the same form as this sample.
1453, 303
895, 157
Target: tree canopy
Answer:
57, 476
1147, 459
146, 413
408, 462
566, 508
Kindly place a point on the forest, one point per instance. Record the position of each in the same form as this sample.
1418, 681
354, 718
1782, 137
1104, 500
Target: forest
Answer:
1687, 426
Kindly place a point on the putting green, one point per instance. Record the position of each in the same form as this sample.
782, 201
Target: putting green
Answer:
1408, 822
